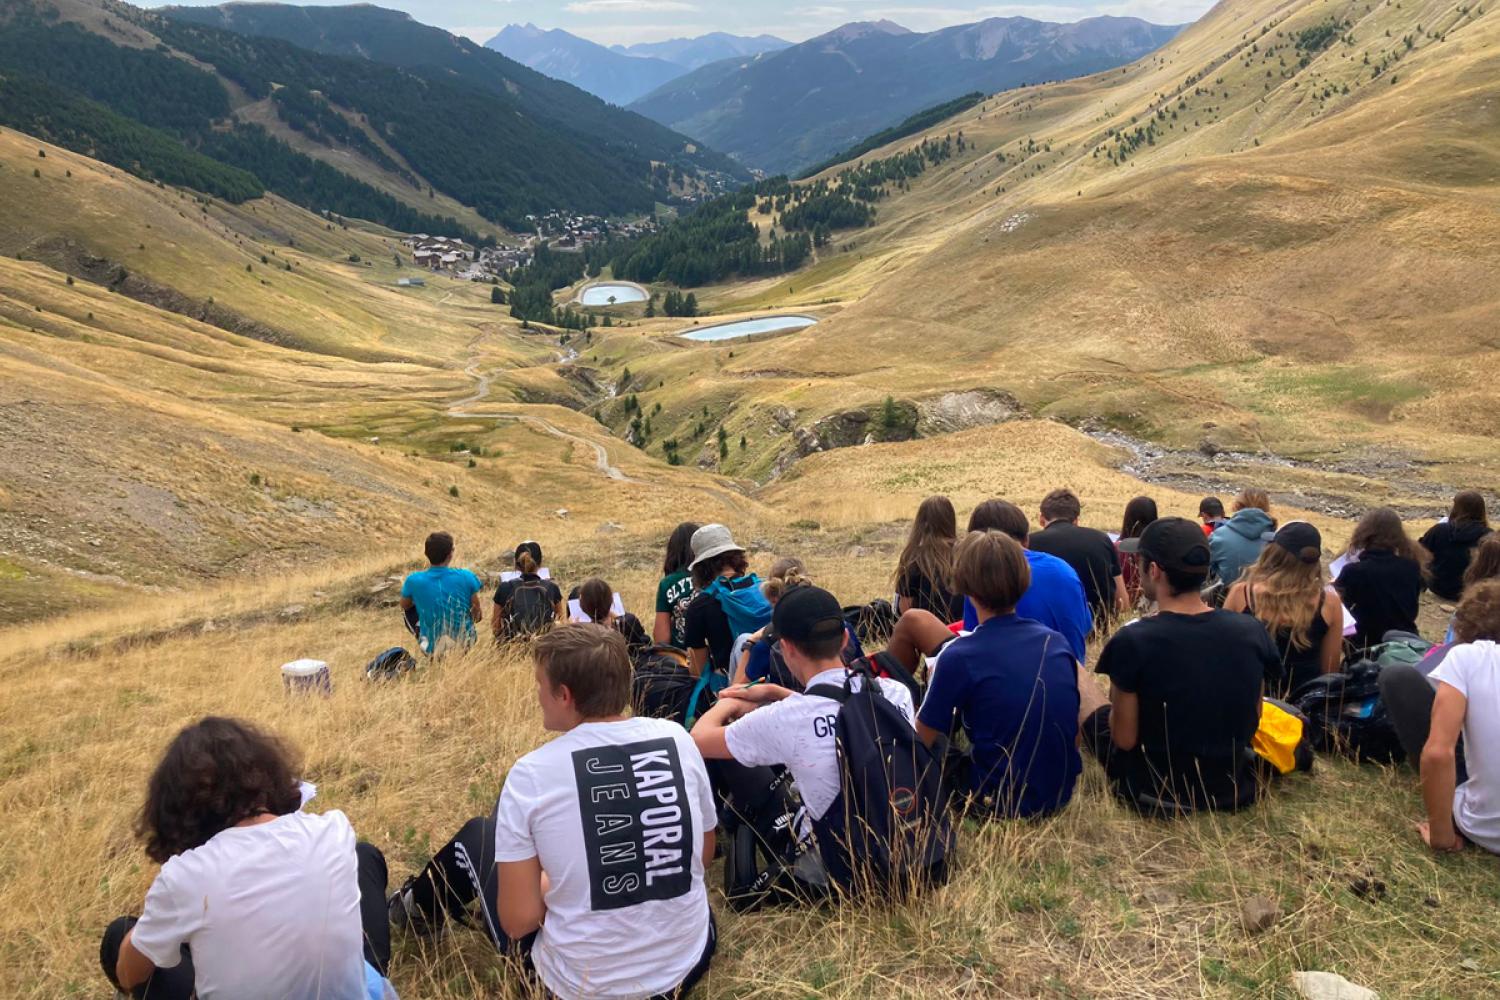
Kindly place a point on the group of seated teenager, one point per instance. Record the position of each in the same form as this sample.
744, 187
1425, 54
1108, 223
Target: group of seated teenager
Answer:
589, 873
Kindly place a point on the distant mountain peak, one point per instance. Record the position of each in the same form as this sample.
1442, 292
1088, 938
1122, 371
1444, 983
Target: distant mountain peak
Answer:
864, 29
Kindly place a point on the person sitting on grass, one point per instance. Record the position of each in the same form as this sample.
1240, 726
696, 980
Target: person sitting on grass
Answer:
675, 591
924, 570
1211, 513
1055, 596
592, 866
758, 657
445, 600
1185, 687
255, 898
1139, 512
527, 604
596, 601
721, 577
1287, 591
1451, 543
1382, 588
1237, 543
769, 725
1012, 684
1466, 807
1089, 551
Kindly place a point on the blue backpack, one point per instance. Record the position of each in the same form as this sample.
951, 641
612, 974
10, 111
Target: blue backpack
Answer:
744, 605
888, 831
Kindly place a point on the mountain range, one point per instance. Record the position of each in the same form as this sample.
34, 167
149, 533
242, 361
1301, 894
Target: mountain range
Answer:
690, 53
358, 111
785, 110
620, 74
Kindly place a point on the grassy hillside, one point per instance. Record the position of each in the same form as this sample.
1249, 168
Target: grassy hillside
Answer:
1092, 903
1277, 266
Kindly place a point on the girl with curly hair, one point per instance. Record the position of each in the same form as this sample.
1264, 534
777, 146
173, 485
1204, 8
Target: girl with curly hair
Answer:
255, 898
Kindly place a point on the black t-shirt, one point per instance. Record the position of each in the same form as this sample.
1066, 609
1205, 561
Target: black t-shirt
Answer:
508, 587
1452, 546
1092, 556
1198, 681
1382, 591
708, 626
930, 595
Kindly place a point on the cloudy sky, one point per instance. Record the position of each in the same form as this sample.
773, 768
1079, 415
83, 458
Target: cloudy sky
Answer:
626, 21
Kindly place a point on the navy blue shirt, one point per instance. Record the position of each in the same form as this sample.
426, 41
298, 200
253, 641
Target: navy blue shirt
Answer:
1055, 598
1013, 684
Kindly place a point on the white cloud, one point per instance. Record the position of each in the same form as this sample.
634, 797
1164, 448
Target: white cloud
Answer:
627, 6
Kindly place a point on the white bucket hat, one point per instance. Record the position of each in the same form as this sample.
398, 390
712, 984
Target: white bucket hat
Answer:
712, 540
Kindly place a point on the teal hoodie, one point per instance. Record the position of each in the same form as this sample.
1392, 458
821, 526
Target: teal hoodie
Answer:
1236, 544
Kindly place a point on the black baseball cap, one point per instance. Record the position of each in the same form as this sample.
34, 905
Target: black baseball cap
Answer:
807, 614
1302, 540
1173, 543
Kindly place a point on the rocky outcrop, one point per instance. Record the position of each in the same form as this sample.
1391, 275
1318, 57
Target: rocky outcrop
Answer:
892, 421
958, 411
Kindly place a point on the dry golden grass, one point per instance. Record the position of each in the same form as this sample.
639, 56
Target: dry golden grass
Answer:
1288, 268
1093, 903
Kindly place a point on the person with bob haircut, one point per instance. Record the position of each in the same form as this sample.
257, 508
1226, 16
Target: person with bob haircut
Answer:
1185, 687
1465, 807
1211, 513
255, 898
675, 591
1287, 591
1012, 684
592, 865
445, 600
596, 600
1382, 588
1451, 543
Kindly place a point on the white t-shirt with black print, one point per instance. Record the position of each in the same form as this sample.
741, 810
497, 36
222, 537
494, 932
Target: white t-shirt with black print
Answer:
799, 732
616, 812
270, 910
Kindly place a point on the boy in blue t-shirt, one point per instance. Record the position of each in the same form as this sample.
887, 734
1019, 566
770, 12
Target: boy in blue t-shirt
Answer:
1055, 595
1012, 683
446, 599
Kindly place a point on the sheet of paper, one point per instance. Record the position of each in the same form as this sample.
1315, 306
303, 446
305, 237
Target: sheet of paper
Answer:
575, 609
511, 574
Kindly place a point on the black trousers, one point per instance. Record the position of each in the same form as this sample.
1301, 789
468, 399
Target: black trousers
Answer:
1408, 694
463, 871
176, 983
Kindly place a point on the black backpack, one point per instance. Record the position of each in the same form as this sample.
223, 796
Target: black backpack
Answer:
873, 622
530, 609
661, 686
390, 665
766, 860
889, 826
1346, 715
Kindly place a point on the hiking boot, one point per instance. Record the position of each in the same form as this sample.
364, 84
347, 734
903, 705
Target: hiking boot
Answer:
406, 916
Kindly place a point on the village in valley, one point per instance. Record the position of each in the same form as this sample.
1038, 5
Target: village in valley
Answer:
563, 232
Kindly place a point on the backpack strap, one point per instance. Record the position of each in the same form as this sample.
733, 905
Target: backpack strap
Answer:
838, 694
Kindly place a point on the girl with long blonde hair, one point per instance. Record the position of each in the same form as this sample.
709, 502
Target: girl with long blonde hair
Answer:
1287, 590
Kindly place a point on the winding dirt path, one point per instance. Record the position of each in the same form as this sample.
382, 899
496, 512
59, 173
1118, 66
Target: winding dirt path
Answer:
460, 409
482, 392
